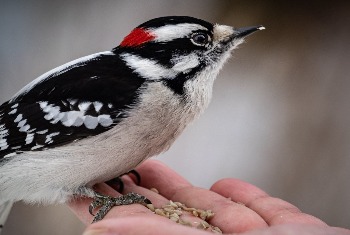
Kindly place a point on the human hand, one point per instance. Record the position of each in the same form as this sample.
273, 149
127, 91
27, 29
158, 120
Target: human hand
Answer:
240, 208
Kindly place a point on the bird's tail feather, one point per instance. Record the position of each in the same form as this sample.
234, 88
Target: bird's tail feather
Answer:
5, 209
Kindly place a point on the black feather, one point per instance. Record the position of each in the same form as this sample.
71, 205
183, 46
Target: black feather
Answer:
98, 80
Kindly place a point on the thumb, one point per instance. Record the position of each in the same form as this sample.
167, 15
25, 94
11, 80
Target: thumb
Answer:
140, 224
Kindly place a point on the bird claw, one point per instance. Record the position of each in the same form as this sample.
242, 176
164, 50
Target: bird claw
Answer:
98, 201
118, 184
137, 176
106, 203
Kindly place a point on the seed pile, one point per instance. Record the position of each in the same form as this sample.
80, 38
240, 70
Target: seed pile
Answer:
174, 210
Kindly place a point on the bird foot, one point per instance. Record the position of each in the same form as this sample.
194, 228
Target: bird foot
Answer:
106, 203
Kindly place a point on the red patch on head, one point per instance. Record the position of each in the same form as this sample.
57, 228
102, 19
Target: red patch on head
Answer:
137, 37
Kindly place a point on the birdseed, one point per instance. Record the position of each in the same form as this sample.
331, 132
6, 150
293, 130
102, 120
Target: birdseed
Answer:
173, 211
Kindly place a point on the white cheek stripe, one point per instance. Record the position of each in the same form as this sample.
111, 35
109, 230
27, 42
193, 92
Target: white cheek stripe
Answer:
171, 32
150, 69
185, 63
59, 70
146, 68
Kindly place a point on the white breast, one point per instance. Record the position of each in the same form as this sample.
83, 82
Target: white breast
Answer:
152, 126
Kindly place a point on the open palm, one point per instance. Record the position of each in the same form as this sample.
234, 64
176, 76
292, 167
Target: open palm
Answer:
239, 207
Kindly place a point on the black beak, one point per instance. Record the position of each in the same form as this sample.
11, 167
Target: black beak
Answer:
243, 32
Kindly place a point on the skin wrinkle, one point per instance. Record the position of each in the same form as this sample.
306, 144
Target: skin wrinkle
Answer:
224, 207
256, 202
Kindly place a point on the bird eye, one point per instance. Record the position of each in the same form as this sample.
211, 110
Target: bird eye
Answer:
200, 39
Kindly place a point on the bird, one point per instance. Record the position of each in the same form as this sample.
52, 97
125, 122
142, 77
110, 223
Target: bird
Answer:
99, 116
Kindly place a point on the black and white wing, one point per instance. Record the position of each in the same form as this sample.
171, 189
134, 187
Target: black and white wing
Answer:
80, 99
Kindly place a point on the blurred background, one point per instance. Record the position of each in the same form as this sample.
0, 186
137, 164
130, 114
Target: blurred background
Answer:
280, 112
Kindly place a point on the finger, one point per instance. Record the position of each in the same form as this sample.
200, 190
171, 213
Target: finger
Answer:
273, 210
230, 216
141, 224
238, 190
155, 174
300, 229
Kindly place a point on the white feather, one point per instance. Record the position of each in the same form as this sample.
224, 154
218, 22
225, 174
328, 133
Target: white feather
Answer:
90, 122
84, 106
14, 106
170, 32
98, 106
3, 131
13, 111
24, 128
72, 118
3, 143
184, 63
29, 138
18, 118
42, 132
48, 138
147, 68
105, 120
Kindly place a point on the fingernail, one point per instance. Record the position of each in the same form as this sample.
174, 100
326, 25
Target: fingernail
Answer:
98, 232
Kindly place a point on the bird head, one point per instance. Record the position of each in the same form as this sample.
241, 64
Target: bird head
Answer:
178, 48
